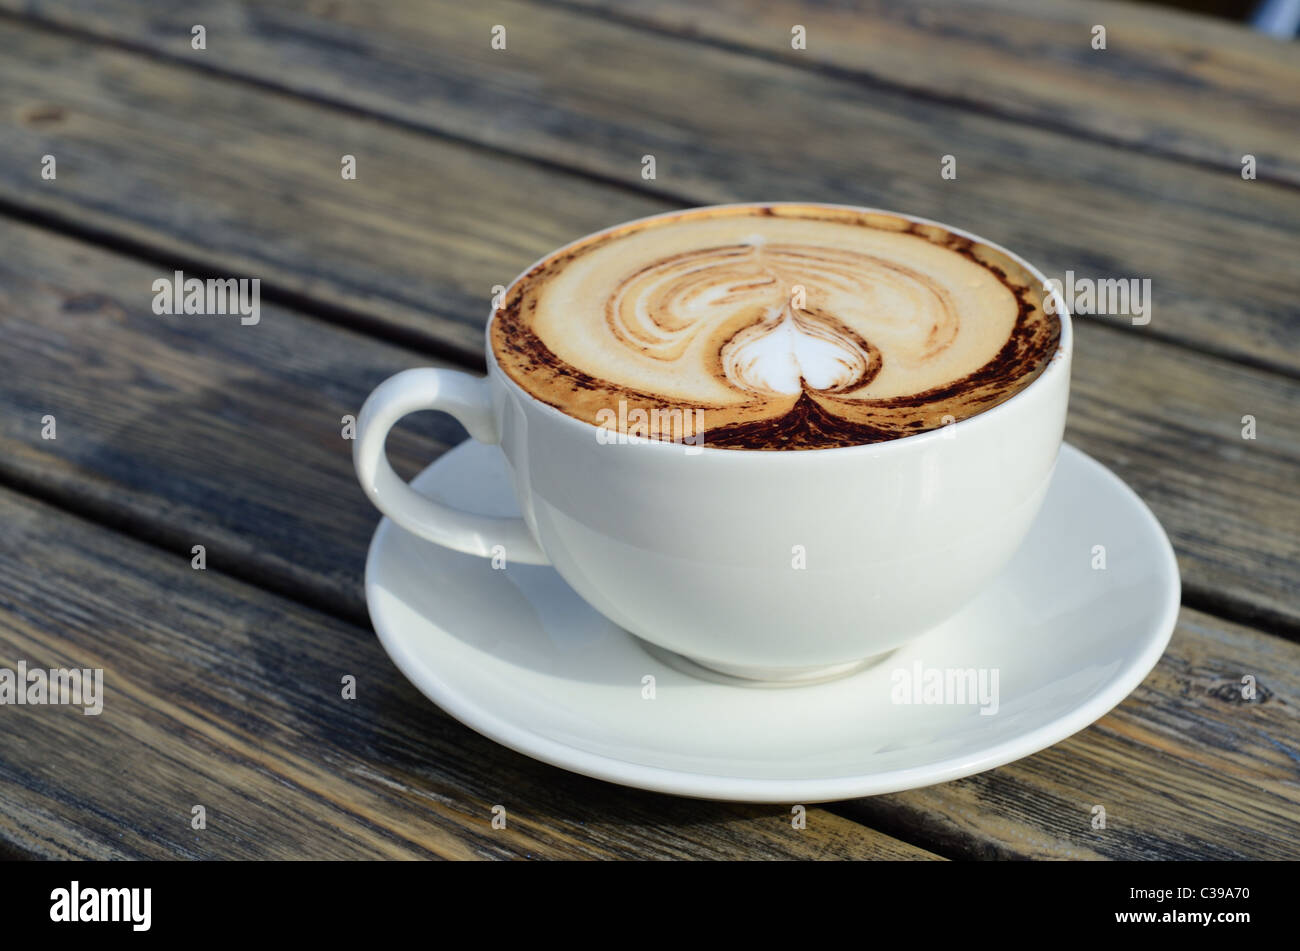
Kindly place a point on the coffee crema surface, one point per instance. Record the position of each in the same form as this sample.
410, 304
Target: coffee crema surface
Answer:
775, 327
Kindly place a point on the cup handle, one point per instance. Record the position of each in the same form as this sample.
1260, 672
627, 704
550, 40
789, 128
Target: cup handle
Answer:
467, 398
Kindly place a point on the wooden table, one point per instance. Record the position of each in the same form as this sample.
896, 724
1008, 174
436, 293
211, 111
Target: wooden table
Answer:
223, 684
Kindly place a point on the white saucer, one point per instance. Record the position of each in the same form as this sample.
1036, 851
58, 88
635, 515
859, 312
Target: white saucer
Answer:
514, 654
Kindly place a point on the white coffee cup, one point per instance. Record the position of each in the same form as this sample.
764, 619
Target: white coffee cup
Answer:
766, 565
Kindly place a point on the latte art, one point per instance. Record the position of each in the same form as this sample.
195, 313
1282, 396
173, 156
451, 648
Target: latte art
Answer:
790, 352
785, 348
789, 327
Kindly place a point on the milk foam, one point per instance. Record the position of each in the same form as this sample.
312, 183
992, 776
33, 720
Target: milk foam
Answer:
791, 327
781, 356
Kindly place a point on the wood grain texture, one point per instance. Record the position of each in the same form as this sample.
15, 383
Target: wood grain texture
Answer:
223, 695
195, 170
1184, 768
1167, 82
220, 694
194, 430
185, 431
204, 166
198, 431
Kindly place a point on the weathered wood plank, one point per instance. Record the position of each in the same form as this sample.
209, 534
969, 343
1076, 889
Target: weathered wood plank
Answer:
418, 240
1171, 425
220, 694
194, 430
1030, 830
199, 431
1167, 82
248, 183
1184, 768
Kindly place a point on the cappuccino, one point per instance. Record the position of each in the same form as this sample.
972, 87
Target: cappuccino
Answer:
775, 327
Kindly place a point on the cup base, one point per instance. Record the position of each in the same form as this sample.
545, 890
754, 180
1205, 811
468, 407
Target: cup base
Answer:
742, 676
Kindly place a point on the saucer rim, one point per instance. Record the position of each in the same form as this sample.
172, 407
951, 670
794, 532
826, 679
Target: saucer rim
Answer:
783, 790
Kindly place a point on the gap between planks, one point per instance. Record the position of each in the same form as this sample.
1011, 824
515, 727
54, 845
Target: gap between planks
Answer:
355, 318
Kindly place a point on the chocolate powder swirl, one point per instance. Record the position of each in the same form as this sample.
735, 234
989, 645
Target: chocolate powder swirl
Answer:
788, 326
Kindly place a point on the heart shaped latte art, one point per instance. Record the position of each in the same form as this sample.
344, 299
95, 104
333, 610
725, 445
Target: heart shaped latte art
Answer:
782, 331
787, 352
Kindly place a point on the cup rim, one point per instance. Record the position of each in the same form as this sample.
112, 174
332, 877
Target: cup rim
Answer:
1049, 374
